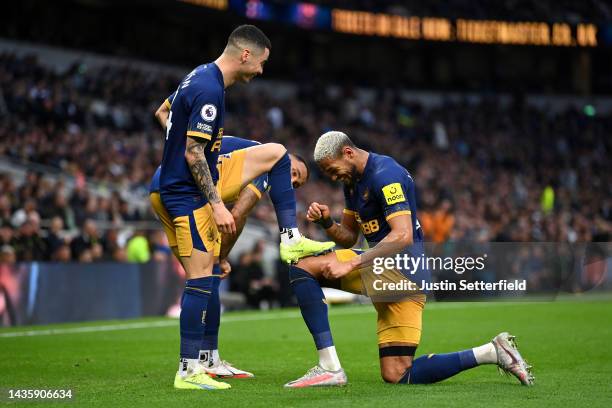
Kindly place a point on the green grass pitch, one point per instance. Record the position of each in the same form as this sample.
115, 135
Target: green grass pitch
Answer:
568, 342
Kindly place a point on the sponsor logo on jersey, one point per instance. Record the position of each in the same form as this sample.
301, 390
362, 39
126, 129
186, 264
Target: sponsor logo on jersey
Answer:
204, 127
393, 193
208, 112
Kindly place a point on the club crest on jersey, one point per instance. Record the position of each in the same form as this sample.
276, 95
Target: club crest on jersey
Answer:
393, 193
211, 235
366, 194
208, 112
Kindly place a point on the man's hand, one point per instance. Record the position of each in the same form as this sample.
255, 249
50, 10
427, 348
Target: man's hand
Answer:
317, 212
336, 269
223, 218
225, 268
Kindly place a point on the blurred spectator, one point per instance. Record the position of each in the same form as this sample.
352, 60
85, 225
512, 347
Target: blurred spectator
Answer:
159, 247
28, 244
112, 249
437, 224
260, 289
22, 214
7, 255
137, 248
54, 240
62, 254
239, 276
5, 208
6, 233
87, 247
60, 208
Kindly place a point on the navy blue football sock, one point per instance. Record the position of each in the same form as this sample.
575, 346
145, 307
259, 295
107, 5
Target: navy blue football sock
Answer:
437, 367
210, 341
193, 314
282, 193
312, 305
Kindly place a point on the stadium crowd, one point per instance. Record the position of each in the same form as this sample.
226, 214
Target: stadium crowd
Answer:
484, 172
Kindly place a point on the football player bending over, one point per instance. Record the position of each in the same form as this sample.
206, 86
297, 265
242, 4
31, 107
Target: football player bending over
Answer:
243, 196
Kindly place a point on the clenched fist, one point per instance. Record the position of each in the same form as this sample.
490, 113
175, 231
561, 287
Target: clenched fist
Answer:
317, 212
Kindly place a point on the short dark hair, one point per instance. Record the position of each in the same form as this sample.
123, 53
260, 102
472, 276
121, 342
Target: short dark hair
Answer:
300, 158
250, 34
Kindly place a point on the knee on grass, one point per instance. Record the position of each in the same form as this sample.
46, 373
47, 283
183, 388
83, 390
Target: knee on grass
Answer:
393, 373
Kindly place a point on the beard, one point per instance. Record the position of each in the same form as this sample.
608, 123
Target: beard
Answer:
246, 78
352, 176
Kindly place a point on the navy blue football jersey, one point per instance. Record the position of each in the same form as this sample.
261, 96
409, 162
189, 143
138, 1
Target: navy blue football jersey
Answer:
229, 144
196, 110
384, 191
233, 143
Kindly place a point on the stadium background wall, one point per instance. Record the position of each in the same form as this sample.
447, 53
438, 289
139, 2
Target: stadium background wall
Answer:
49, 292
41, 293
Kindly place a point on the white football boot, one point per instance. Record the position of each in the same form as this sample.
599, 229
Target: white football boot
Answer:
225, 370
319, 377
510, 361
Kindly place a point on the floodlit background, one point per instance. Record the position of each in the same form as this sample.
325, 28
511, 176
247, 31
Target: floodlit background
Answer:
502, 112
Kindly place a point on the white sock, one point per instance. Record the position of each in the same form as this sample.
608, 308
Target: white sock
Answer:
485, 354
209, 358
328, 359
290, 236
188, 366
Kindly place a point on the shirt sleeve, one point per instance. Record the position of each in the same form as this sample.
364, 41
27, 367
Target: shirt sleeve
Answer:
204, 116
169, 99
394, 187
349, 202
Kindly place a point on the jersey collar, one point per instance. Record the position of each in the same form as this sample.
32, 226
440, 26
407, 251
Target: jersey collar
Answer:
367, 168
219, 74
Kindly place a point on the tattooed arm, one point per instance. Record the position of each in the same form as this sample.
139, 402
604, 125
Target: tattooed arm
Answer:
196, 159
194, 154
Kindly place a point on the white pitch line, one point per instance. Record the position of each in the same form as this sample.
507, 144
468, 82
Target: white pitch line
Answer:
233, 319
169, 323
91, 329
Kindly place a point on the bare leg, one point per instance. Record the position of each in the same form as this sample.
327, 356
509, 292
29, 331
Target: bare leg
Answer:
260, 159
